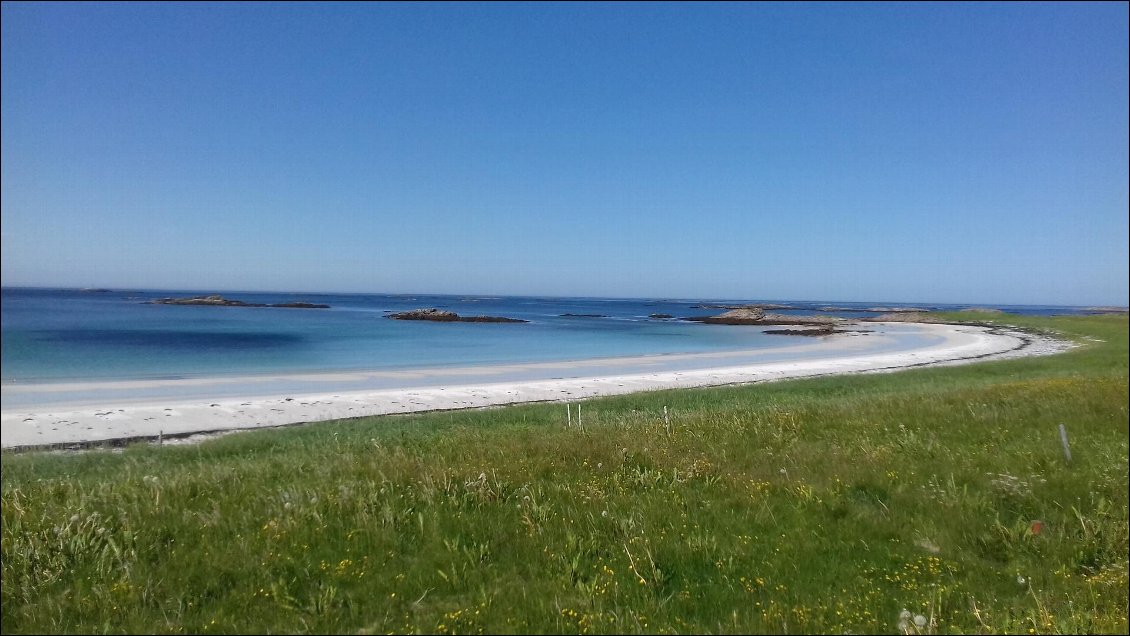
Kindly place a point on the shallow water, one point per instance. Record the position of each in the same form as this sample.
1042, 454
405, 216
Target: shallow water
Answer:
54, 335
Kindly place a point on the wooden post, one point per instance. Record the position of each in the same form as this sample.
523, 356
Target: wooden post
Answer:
568, 416
160, 438
666, 420
1066, 447
579, 425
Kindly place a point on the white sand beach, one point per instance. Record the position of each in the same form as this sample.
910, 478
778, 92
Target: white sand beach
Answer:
61, 414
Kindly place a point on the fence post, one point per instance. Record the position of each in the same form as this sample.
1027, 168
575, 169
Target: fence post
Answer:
1066, 447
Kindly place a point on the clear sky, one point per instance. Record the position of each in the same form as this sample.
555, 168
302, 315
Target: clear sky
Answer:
965, 153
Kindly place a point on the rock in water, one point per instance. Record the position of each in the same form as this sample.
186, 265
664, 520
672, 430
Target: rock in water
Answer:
213, 300
440, 315
436, 315
216, 300
757, 316
743, 313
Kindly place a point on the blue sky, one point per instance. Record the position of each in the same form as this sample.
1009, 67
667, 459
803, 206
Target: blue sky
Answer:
968, 153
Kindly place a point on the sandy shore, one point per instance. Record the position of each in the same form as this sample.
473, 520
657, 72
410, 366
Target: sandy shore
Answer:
63, 414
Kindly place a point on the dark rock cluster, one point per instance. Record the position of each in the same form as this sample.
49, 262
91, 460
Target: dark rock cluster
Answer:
440, 315
753, 315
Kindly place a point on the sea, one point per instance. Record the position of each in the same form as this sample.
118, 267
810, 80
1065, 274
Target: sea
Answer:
68, 335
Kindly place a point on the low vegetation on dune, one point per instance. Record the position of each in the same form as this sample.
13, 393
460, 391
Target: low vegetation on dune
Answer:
935, 500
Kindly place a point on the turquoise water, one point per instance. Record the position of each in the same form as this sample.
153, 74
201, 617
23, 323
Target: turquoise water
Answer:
53, 335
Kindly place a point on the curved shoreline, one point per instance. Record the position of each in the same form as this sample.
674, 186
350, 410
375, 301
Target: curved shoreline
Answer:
121, 420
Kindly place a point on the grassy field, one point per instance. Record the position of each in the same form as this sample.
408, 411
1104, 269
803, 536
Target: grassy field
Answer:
822, 505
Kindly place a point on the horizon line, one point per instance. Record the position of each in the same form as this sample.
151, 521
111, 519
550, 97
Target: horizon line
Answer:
513, 295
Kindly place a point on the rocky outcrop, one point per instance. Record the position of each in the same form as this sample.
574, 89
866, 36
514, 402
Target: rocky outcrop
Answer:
826, 330
216, 301
1106, 310
746, 306
983, 310
757, 316
660, 316
435, 315
782, 319
440, 315
901, 317
876, 310
743, 314
219, 301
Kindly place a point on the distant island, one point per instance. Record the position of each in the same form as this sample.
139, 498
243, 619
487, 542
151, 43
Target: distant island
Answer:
220, 301
440, 315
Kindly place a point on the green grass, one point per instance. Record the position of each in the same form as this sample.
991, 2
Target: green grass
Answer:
822, 505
